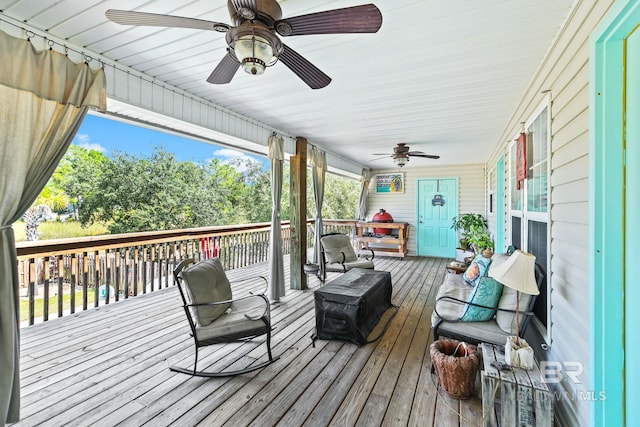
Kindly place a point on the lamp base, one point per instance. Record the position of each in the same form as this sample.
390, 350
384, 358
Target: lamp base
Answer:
518, 353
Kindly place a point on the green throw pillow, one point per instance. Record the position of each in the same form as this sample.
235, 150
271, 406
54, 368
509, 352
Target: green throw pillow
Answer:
487, 292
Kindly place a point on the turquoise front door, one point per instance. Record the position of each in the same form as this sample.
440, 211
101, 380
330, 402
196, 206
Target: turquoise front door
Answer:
615, 202
437, 204
632, 226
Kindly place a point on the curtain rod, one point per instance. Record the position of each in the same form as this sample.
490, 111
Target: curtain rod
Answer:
89, 56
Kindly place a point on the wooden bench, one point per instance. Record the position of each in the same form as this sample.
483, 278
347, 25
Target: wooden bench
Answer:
516, 397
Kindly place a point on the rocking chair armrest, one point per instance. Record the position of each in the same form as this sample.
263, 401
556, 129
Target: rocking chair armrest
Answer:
266, 310
254, 278
229, 301
204, 304
344, 258
373, 255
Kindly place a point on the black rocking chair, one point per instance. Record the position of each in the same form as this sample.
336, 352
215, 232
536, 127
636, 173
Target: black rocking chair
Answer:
215, 316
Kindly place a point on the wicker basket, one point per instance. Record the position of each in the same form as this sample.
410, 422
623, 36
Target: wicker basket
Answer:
456, 364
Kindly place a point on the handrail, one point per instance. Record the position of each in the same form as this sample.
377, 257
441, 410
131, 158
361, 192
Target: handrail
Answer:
104, 269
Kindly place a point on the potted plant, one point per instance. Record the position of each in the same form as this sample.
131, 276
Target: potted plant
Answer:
480, 241
465, 223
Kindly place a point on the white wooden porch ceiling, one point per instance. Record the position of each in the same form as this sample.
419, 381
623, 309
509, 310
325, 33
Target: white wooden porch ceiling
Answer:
441, 75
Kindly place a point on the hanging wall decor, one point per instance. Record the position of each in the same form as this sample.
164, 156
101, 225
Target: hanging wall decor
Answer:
521, 160
389, 183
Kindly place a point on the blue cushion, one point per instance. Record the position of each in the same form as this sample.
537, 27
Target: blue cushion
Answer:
476, 270
487, 292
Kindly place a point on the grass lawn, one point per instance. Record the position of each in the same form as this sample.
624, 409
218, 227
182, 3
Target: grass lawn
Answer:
60, 230
53, 304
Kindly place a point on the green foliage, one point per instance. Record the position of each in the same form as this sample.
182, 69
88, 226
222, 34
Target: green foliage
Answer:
161, 193
340, 198
480, 239
128, 193
474, 231
60, 230
53, 304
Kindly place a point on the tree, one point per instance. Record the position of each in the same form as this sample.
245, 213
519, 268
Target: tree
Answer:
255, 203
160, 193
33, 217
129, 193
340, 197
77, 174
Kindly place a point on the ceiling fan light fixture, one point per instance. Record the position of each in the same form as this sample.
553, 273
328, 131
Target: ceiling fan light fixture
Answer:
254, 53
254, 47
400, 161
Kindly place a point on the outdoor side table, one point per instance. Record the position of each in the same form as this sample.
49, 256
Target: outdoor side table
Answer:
522, 397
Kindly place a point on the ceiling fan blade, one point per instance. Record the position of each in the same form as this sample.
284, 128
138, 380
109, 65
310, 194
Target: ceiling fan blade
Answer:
357, 19
225, 70
129, 17
426, 156
415, 153
382, 154
304, 69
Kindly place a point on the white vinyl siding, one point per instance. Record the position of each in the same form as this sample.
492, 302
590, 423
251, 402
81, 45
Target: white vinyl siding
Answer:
403, 207
564, 75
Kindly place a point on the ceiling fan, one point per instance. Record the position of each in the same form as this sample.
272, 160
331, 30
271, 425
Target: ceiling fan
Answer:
252, 40
401, 154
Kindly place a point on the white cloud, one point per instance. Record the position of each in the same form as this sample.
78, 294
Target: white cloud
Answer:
83, 140
227, 155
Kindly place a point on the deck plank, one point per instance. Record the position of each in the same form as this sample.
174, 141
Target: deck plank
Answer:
109, 366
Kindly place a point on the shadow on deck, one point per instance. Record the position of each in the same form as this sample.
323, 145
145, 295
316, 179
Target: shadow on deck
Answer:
109, 366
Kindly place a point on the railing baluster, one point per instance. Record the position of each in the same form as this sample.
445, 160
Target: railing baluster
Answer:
134, 271
45, 273
95, 272
72, 283
59, 273
152, 255
31, 277
85, 280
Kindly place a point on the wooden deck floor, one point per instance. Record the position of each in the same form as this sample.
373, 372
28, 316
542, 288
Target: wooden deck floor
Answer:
109, 366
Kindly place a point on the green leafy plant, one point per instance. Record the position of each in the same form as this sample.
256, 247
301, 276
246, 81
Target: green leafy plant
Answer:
480, 239
467, 225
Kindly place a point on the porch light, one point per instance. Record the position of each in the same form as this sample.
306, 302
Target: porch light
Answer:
254, 53
400, 161
254, 46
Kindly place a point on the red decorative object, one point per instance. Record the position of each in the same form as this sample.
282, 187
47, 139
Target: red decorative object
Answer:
521, 160
382, 216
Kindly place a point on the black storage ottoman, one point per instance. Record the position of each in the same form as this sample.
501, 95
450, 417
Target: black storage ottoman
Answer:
349, 307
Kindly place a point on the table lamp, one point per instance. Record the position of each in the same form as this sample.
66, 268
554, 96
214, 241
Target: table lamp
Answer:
518, 272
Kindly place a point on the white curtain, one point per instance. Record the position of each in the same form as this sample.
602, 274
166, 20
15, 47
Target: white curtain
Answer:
361, 211
43, 99
276, 277
318, 169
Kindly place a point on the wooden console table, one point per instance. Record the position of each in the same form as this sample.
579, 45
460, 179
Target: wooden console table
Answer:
384, 245
522, 396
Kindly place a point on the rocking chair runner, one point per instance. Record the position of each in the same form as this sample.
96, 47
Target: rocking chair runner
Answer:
215, 316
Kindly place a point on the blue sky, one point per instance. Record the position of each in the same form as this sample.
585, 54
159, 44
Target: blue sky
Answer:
109, 136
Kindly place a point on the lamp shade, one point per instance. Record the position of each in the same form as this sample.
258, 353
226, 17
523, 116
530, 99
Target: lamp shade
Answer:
517, 272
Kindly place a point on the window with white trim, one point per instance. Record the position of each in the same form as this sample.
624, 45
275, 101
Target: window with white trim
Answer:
529, 204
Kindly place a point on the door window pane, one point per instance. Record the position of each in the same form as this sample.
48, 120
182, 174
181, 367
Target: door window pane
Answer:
537, 143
